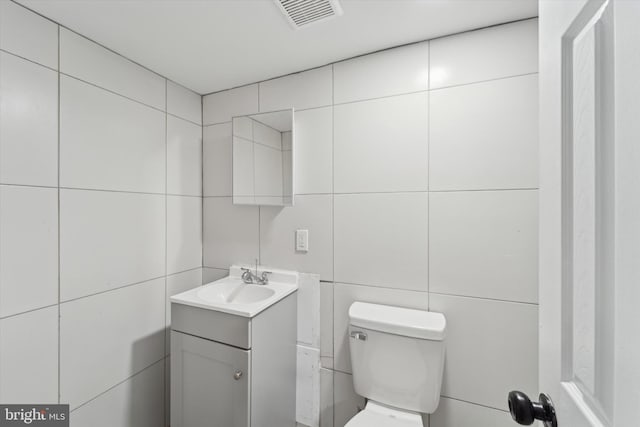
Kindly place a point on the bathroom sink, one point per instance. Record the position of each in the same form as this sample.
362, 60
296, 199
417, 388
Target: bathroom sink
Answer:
231, 295
230, 291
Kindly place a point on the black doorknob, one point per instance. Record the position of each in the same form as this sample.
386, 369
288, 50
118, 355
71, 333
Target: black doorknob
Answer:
525, 412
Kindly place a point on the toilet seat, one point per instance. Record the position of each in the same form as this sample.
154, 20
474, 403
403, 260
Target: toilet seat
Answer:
378, 415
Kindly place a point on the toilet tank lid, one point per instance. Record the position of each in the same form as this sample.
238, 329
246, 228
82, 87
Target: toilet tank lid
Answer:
407, 322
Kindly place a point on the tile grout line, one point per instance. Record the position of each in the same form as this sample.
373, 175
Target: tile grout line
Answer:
59, 233
428, 174
166, 239
102, 393
529, 18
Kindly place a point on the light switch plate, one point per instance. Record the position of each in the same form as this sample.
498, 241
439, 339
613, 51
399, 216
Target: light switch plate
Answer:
302, 240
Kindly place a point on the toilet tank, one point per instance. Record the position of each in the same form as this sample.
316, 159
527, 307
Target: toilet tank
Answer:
397, 355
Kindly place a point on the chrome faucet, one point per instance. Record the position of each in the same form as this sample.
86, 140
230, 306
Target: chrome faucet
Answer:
249, 277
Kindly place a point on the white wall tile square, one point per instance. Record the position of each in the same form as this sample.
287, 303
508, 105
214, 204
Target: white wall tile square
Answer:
313, 151
100, 230
184, 157
490, 53
29, 248
217, 160
451, 413
494, 235
184, 103
220, 107
28, 34
29, 362
133, 403
277, 235
501, 337
346, 402
230, 233
212, 274
243, 127
29, 117
88, 61
109, 331
308, 89
109, 142
326, 398
184, 233
395, 71
177, 283
485, 135
372, 138
345, 295
381, 239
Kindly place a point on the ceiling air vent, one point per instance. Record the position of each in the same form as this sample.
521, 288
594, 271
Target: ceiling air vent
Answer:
301, 13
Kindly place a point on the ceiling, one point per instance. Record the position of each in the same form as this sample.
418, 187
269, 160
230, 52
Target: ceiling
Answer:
210, 45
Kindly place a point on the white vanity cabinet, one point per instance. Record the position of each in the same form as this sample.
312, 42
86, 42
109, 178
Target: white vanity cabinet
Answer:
229, 370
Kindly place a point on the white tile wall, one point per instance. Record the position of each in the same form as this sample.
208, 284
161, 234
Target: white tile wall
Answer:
217, 160
393, 154
184, 103
107, 338
326, 398
28, 35
177, 283
501, 337
28, 248
220, 107
134, 403
303, 90
109, 142
117, 145
346, 402
345, 295
184, 233
212, 274
184, 157
494, 235
29, 362
314, 151
277, 235
377, 136
497, 147
29, 117
381, 239
88, 61
233, 237
100, 230
453, 412
490, 53
389, 72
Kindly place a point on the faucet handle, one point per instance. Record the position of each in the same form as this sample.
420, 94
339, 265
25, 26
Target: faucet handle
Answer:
247, 276
265, 277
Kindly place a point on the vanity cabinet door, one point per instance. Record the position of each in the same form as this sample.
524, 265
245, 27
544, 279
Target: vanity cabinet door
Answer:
209, 383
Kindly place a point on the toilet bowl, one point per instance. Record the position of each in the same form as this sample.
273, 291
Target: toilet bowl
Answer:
397, 359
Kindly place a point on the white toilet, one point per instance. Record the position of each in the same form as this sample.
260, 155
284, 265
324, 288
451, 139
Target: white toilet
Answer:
397, 358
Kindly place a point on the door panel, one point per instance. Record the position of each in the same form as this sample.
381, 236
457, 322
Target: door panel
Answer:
590, 210
206, 389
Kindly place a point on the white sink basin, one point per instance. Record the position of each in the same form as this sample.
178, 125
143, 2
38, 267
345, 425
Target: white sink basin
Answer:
231, 291
232, 295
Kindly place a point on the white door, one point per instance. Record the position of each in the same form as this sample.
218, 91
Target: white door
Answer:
590, 211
